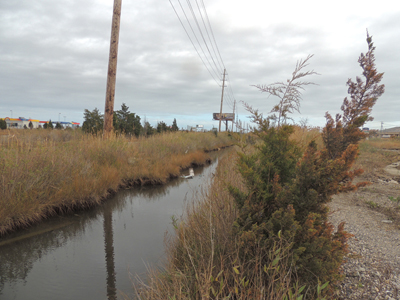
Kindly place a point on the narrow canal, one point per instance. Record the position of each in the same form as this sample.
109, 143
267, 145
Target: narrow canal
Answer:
94, 254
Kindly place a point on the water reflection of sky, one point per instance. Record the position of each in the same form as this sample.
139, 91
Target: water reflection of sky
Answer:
78, 256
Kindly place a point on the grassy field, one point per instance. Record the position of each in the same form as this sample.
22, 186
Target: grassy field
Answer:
375, 154
45, 172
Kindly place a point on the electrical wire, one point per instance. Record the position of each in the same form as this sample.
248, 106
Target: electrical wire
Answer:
187, 33
202, 36
212, 33
208, 35
213, 61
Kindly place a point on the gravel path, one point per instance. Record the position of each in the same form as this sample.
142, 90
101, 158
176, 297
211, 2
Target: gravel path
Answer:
372, 215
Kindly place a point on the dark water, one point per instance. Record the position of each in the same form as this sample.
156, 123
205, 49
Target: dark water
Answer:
90, 255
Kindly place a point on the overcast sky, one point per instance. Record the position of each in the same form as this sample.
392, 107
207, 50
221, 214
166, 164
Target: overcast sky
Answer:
54, 57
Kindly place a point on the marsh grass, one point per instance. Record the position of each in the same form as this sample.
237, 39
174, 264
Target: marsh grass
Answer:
375, 154
46, 172
384, 143
303, 135
202, 257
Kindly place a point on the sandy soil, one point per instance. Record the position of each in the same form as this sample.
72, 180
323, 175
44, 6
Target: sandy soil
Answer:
372, 215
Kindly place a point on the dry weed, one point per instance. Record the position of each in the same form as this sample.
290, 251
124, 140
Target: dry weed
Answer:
44, 171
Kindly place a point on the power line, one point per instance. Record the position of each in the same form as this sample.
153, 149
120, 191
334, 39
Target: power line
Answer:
212, 60
212, 65
205, 27
201, 33
212, 33
190, 37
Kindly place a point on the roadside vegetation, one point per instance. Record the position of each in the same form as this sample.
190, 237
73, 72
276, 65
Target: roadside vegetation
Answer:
383, 195
262, 229
46, 172
204, 258
376, 154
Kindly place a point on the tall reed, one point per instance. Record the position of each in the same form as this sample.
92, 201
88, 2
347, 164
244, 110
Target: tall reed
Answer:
44, 172
203, 260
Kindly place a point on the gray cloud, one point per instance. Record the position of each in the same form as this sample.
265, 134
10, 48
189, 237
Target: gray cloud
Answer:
54, 57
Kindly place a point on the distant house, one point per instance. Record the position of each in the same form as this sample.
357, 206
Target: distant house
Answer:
390, 132
21, 122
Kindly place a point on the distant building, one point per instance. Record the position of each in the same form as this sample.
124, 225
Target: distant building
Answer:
365, 130
21, 122
390, 132
70, 124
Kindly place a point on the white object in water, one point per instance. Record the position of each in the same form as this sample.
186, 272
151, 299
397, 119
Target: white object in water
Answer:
191, 174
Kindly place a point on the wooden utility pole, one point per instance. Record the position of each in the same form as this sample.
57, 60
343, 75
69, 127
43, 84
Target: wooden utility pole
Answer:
222, 99
237, 119
112, 69
233, 120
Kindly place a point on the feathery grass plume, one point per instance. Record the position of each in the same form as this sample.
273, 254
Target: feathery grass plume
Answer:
288, 92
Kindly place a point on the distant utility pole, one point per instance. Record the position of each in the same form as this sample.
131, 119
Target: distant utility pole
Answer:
222, 99
237, 119
233, 120
112, 69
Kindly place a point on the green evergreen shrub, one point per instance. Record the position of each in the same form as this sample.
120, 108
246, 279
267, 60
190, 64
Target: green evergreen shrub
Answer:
3, 124
287, 190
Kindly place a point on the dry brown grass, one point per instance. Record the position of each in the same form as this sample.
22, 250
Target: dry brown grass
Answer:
375, 154
303, 135
44, 172
384, 143
203, 260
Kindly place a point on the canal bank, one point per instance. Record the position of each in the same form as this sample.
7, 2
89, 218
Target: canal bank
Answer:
91, 254
46, 173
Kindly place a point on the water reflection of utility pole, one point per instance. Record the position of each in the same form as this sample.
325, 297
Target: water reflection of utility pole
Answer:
109, 249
